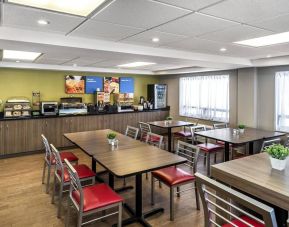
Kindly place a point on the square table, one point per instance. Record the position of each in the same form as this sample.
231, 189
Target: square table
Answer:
254, 175
249, 136
169, 125
131, 158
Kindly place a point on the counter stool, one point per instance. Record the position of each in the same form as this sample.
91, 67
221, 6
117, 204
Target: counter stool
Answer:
91, 199
61, 176
174, 177
49, 160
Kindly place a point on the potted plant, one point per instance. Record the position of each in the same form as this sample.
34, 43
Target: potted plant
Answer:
278, 156
241, 128
169, 119
111, 137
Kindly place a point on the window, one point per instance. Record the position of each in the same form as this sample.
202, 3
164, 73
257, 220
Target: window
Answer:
282, 101
205, 97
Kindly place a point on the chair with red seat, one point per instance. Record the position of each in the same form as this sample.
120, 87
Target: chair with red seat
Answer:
131, 132
49, 160
61, 176
206, 148
175, 177
91, 199
226, 207
145, 128
154, 139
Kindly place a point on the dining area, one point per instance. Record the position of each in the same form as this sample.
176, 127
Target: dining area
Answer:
141, 165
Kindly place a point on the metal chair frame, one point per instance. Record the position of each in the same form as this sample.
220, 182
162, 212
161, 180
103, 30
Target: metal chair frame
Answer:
149, 140
47, 162
131, 132
191, 152
75, 185
267, 143
60, 180
225, 204
220, 125
144, 129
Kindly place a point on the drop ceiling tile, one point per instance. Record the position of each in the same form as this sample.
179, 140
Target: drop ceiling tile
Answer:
236, 33
139, 13
190, 4
25, 17
103, 30
51, 61
276, 24
248, 10
195, 24
83, 61
145, 38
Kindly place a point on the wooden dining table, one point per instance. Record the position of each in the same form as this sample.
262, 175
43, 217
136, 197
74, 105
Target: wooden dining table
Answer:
254, 176
227, 136
130, 158
169, 125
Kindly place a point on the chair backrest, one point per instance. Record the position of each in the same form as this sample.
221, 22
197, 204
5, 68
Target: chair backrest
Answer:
190, 152
144, 129
58, 162
267, 143
131, 132
194, 129
75, 186
154, 139
220, 125
227, 204
48, 153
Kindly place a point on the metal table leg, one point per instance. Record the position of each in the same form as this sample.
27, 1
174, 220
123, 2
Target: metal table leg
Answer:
227, 151
170, 139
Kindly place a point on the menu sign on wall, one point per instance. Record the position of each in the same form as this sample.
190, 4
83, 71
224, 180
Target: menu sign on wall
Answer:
74, 84
93, 84
126, 85
111, 85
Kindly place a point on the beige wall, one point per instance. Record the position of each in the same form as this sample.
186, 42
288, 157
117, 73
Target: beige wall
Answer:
173, 93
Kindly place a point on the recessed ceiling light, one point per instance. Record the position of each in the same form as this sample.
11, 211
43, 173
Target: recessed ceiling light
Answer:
268, 56
155, 40
20, 55
17, 61
77, 7
223, 49
136, 64
74, 65
43, 22
266, 40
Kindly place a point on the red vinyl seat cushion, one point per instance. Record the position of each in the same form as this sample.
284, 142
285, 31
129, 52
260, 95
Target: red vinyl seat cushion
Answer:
65, 155
209, 147
97, 196
82, 170
151, 138
172, 175
183, 134
241, 224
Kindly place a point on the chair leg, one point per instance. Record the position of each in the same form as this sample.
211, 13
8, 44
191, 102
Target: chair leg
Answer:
79, 221
152, 190
124, 181
205, 157
172, 210
215, 157
119, 224
160, 184
208, 164
178, 192
60, 200
48, 179
68, 213
197, 197
44, 170
147, 176
53, 189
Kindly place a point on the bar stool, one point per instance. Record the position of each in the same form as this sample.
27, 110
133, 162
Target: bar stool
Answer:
174, 177
61, 176
49, 160
91, 199
231, 207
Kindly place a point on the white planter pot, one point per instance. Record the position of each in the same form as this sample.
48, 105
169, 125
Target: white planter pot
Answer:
110, 141
241, 130
278, 164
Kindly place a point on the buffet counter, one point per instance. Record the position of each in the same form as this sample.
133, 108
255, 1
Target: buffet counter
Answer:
22, 135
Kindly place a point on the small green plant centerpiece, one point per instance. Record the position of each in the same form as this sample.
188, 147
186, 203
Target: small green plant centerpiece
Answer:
241, 128
169, 119
111, 137
278, 156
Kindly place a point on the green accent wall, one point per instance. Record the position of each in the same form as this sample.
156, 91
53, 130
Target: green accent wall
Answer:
21, 82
